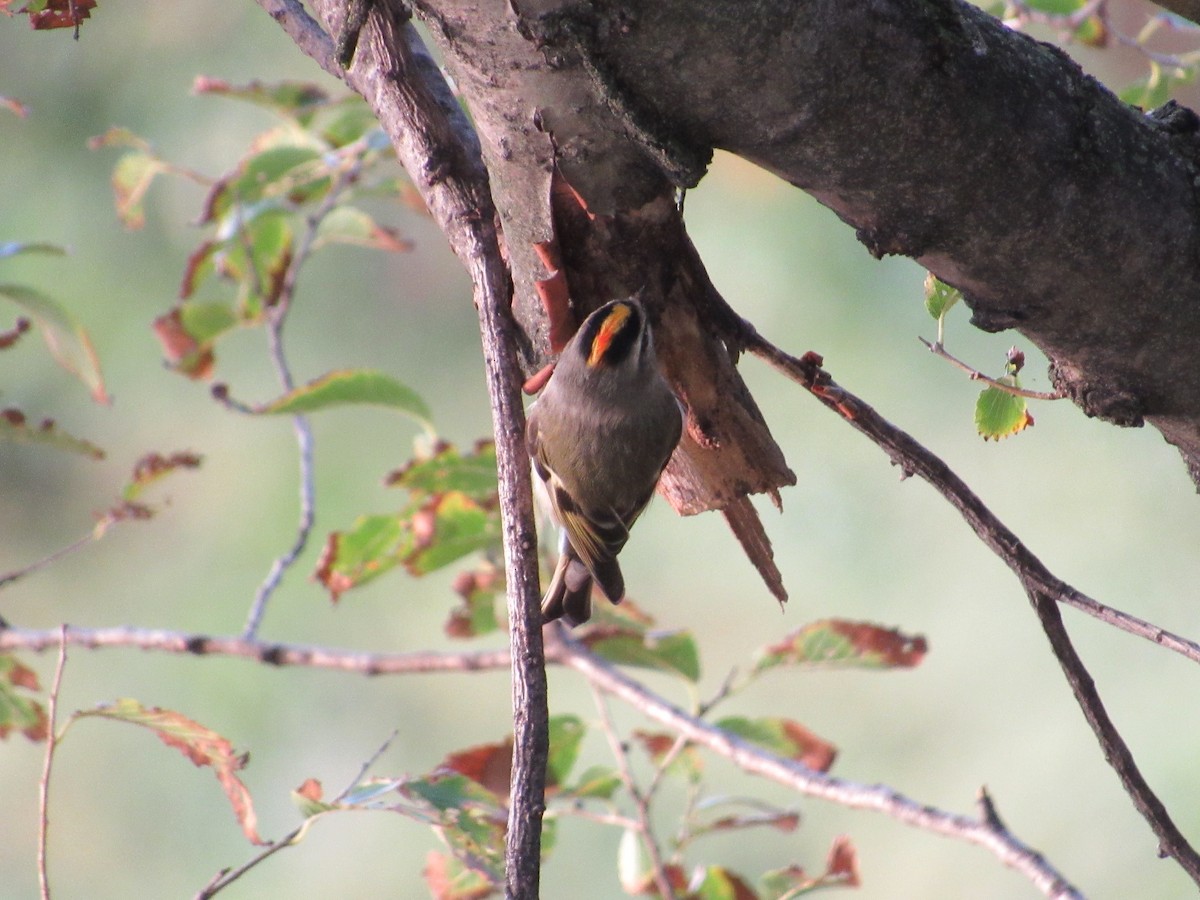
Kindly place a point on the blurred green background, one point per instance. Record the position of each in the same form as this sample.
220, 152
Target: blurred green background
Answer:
1111, 511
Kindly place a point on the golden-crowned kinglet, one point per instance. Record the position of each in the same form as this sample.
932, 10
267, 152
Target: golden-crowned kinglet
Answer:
599, 437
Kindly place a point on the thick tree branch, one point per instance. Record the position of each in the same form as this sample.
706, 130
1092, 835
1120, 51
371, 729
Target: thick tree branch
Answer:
929, 127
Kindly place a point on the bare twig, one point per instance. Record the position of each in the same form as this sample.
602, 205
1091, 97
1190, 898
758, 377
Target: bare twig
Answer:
17, 574
641, 802
44, 782
1000, 842
270, 653
938, 349
1045, 590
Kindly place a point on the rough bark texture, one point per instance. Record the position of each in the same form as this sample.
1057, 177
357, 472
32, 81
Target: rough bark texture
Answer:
925, 124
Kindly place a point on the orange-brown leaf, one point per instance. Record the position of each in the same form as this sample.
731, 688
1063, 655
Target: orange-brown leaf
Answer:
843, 862
337, 583
813, 751
311, 790
489, 765
203, 746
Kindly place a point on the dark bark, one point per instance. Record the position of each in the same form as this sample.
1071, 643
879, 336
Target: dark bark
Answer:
926, 125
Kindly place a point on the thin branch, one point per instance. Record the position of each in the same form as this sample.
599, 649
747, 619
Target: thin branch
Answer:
417, 109
270, 653
1045, 590
44, 782
8, 578
226, 877
581, 812
939, 349
641, 802
276, 319
307, 33
1000, 842
914, 459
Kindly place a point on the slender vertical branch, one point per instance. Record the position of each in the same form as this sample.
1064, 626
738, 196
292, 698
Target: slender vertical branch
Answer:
276, 318
417, 109
44, 782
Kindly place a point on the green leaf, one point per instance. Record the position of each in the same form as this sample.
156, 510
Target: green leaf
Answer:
131, 179
437, 532
999, 414
450, 878
19, 248
350, 386
837, 643
446, 468
939, 296
783, 737
718, 883
347, 121
674, 652
449, 791
358, 556
477, 614
69, 342
153, 467
293, 99
351, 225
596, 782
1057, 7
14, 429
449, 528
296, 171
19, 711
205, 322
566, 734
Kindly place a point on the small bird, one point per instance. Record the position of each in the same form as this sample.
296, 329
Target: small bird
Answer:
600, 436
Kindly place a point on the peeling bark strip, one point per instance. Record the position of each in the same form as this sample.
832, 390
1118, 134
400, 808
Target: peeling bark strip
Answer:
927, 126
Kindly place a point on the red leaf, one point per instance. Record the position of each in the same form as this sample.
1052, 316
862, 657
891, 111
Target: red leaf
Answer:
489, 765
184, 353
61, 14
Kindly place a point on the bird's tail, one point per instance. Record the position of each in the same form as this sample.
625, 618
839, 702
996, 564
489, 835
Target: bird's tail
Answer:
569, 596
